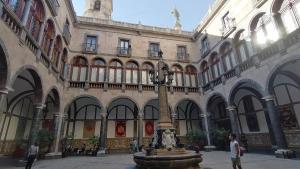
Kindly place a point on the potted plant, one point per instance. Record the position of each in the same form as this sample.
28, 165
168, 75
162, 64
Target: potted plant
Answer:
45, 139
220, 138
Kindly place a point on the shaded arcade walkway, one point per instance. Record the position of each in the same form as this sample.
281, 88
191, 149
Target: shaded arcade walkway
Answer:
212, 160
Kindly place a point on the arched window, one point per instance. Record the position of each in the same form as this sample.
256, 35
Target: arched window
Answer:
98, 68
35, 18
17, 6
49, 33
289, 13
57, 50
205, 73
132, 71
191, 76
145, 73
178, 75
215, 65
264, 30
115, 72
63, 63
79, 69
227, 56
241, 46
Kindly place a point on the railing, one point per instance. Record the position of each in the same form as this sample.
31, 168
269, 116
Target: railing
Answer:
53, 6
206, 87
121, 51
31, 43
135, 27
183, 57
153, 54
114, 86
193, 89
148, 87
66, 34
45, 59
12, 21
178, 88
231, 73
89, 48
96, 85
292, 38
246, 65
217, 81
132, 87
268, 51
77, 84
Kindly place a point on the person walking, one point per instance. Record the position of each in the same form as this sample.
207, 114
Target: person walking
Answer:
235, 152
32, 155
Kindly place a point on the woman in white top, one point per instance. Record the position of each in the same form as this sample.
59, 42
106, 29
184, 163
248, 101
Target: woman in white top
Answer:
235, 152
32, 155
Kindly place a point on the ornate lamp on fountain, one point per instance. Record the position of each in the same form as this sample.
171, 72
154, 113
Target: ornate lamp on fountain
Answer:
167, 155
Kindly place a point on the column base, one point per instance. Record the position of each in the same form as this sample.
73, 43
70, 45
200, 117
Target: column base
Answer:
101, 152
209, 148
285, 153
57, 155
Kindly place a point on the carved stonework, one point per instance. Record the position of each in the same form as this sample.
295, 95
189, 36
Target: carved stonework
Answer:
258, 139
168, 139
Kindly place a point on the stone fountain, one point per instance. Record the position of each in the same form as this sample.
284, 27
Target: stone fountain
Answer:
165, 155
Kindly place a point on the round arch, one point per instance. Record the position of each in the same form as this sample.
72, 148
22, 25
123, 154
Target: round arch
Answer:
4, 66
39, 95
54, 93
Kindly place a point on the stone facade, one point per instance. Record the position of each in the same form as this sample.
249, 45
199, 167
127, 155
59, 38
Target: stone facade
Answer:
85, 72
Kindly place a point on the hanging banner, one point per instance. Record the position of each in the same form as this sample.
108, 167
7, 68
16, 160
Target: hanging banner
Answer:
89, 129
149, 128
120, 129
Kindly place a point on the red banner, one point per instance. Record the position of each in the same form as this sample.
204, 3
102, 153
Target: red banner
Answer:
120, 129
149, 128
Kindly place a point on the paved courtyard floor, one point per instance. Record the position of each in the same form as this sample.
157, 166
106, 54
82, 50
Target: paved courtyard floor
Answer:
212, 160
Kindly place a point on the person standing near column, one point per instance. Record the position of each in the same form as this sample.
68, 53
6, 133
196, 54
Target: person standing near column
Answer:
235, 152
32, 155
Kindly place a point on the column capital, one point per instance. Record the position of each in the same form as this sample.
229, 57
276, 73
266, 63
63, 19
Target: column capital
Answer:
6, 90
103, 115
39, 106
141, 115
269, 98
231, 108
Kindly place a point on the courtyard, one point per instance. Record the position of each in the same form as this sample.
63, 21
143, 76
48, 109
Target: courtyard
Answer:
212, 160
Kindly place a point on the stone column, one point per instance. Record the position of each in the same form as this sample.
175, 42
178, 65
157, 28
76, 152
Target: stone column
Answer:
140, 128
3, 97
57, 127
38, 112
275, 122
233, 120
103, 131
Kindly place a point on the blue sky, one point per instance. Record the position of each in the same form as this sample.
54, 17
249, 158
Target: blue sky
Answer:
156, 12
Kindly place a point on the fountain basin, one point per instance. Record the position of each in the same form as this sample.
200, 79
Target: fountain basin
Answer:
187, 160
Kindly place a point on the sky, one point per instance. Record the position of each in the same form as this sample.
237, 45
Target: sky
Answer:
156, 12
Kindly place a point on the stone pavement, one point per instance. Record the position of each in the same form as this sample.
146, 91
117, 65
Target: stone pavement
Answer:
212, 160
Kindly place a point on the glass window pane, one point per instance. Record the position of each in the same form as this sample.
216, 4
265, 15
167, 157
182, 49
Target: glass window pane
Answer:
75, 73
128, 76
101, 74
111, 75
261, 37
83, 74
272, 31
144, 77
179, 75
242, 53
289, 21
187, 80
135, 77
94, 75
119, 76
